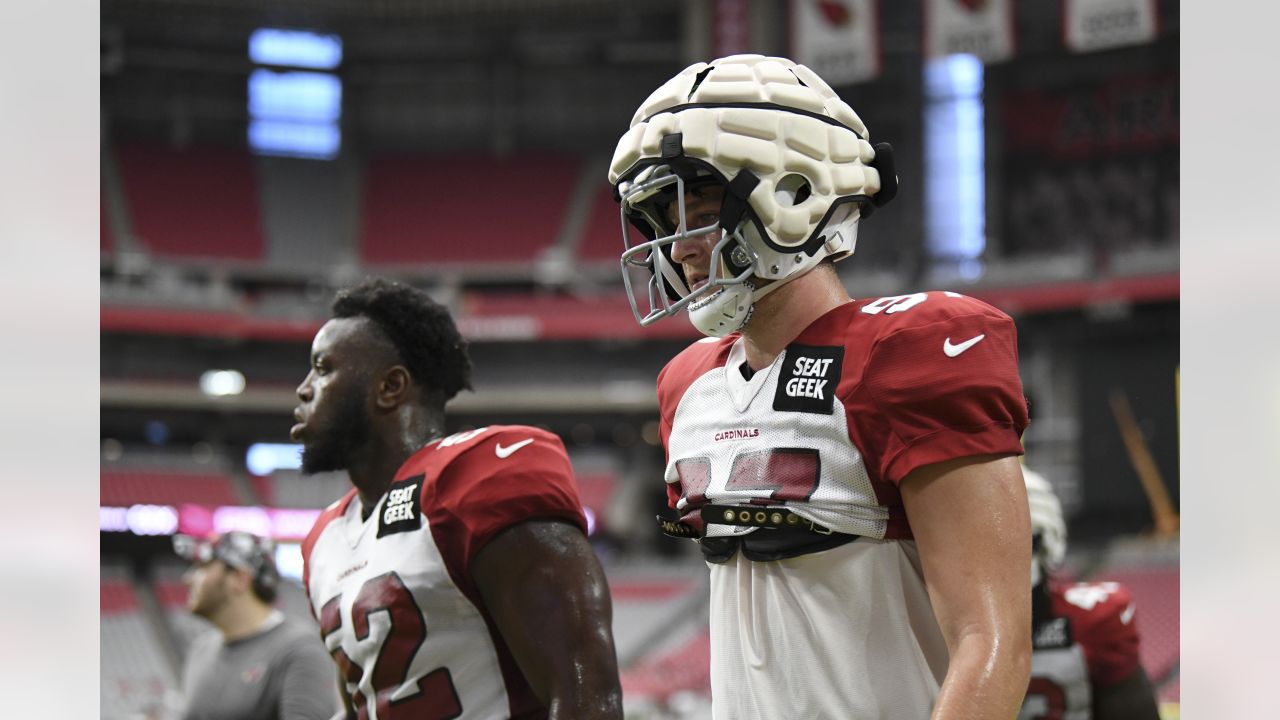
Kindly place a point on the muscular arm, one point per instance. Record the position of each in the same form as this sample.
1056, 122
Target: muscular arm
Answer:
972, 527
547, 594
1130, 699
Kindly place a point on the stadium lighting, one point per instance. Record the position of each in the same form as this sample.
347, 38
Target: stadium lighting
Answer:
295, 48
315, 141
113, 519
299, 96
151, 519
251, 519
262, 459
289, 560
218, 383
295, 112
955, 203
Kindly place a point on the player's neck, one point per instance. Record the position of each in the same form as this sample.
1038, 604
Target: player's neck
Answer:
241, 619
783, 314
408, 432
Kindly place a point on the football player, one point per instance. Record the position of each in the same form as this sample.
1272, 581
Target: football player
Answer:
1085, 660
850, 467
455, 579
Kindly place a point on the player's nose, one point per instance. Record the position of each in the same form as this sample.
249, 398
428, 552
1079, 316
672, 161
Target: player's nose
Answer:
304, 389
689, 249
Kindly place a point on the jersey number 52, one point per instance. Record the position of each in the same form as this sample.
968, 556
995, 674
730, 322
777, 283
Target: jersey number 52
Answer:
433, 697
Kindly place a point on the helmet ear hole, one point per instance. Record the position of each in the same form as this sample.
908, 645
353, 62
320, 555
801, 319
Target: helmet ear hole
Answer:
791, 190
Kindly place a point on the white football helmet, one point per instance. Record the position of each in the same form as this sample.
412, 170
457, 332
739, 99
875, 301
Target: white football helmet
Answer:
797, 170
1048, 529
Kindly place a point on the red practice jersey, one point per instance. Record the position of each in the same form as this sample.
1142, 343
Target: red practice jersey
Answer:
867, 393
1089, 641
393, 593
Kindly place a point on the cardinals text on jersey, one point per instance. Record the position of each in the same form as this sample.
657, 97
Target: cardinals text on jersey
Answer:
392, 593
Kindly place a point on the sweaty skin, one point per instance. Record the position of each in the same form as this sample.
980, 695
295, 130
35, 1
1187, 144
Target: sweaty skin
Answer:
973, 529
558, 632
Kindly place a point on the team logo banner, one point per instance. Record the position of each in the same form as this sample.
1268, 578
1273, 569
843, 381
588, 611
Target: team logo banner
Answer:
838, 39
975, 27
1100, 24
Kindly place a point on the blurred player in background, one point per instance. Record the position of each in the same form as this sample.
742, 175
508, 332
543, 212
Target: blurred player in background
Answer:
455, 579
1085, 660
850, 466
257, 665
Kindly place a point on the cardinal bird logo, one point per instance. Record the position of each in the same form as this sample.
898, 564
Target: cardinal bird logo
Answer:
835, 12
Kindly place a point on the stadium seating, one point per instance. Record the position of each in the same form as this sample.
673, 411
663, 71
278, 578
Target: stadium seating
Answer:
123, 487
602, 234
264, 490
651, 606
197, 202
686, 667
136, 677
463, 209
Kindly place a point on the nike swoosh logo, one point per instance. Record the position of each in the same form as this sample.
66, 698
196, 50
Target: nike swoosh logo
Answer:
954, 350
1127, 615
505, 452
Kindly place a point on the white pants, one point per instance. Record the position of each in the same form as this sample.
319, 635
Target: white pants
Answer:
843, 634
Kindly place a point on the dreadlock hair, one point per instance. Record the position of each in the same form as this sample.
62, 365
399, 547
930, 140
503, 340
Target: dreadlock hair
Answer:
421, 330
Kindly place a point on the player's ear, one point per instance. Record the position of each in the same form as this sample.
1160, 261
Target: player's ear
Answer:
394, 387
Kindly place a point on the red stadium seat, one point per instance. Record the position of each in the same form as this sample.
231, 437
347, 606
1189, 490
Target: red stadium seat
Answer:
117, 596
199, 202
463, 209
171, 593
602, 235
686, 667
121, 488
263, 490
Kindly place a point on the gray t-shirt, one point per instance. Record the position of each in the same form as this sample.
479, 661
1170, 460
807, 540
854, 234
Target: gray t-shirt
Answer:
281, 673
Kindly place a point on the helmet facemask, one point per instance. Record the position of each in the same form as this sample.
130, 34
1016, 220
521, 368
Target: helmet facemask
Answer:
722, 304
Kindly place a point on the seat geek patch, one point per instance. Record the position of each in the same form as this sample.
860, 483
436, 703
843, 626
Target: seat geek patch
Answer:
808, 380
403, 509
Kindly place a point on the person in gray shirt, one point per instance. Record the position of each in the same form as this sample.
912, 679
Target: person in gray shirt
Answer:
256, 664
